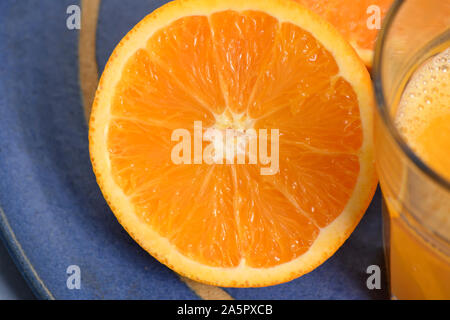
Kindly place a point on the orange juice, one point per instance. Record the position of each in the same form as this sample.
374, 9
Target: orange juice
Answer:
423, 115
419, 259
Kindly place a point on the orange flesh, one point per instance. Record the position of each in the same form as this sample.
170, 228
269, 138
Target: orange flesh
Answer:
275, 74
350, 17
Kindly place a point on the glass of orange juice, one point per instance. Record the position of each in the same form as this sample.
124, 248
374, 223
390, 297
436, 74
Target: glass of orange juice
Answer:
411, 74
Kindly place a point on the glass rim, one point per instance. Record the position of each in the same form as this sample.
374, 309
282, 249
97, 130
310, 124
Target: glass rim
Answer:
381, 105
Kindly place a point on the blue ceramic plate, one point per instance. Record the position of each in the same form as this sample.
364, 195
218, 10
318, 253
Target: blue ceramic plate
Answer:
52, 212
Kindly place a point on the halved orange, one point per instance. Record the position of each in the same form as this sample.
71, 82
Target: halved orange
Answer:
238, 65
358, 21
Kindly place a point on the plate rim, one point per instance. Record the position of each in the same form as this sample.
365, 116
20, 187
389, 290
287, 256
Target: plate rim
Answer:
21, 260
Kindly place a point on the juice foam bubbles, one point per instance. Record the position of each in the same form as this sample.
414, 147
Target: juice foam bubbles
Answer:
423, 115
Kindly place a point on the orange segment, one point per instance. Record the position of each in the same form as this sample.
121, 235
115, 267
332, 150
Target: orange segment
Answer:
328, 120
260, 66
351, 18
184, 49
182, 219
320, 184
273, 230
241, 42
299, 67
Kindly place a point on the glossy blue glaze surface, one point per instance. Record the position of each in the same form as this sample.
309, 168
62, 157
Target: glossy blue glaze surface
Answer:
53, 214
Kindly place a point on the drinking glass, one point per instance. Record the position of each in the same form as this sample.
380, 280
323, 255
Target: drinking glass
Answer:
416, 199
